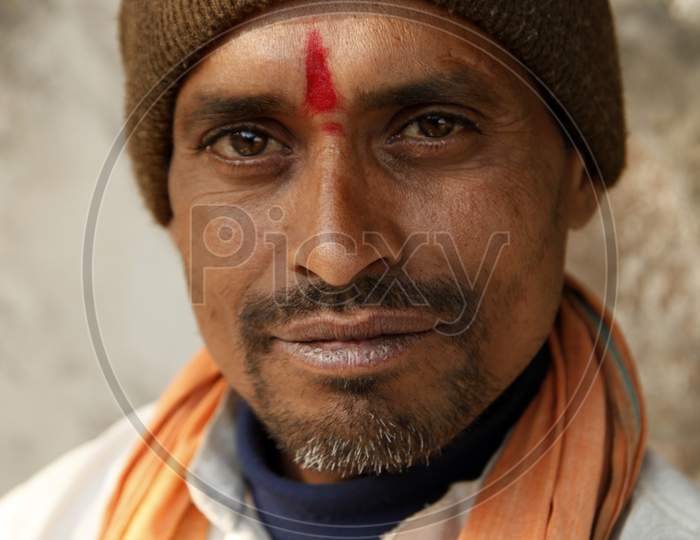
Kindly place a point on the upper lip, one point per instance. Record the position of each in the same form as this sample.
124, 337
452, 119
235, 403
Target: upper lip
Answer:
365, 324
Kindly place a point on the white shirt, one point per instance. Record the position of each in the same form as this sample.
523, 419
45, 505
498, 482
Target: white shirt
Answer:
66, 499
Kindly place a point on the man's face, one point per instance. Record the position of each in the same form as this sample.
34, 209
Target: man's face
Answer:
402, 200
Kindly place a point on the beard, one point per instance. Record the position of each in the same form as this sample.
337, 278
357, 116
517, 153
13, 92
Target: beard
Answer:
366, 429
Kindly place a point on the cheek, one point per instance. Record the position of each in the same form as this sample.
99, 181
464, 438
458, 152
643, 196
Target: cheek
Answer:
219, 333
497, 204
219, 325
222, 240
509, 244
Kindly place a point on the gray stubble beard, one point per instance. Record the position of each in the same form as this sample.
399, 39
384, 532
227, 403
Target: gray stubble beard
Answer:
363, 433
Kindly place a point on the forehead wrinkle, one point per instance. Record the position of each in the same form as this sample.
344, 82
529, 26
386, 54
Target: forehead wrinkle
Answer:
457, 81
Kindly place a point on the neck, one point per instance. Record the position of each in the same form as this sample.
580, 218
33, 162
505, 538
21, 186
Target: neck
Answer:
291, 470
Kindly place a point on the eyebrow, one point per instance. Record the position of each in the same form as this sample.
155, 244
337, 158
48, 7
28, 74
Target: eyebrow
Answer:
215, 107
462, 85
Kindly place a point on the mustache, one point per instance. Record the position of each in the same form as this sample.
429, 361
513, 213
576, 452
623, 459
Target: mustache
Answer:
452, 302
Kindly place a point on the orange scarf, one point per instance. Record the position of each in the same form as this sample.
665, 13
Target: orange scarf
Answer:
566, 469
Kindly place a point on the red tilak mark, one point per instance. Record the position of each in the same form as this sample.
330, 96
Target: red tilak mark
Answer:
320, 94
333, 127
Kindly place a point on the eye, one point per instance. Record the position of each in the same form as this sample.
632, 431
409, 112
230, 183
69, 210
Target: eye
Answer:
241, 142
436, 126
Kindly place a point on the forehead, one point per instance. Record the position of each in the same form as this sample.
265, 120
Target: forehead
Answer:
361, 52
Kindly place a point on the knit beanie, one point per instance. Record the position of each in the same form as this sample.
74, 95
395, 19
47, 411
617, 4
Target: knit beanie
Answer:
570, 48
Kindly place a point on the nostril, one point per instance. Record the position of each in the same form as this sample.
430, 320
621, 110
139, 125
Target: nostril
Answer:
339, 258
304, 272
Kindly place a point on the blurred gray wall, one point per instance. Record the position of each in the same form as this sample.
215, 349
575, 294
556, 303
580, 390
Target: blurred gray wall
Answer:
60, 109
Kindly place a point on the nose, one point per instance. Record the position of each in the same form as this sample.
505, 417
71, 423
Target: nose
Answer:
344, 227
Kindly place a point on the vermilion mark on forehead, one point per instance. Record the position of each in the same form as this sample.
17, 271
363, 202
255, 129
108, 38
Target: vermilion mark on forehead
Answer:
320, 94
334, 128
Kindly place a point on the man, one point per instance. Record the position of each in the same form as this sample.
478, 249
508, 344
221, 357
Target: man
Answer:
372, 203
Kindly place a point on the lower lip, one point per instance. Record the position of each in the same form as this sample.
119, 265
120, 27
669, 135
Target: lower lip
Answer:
365, 354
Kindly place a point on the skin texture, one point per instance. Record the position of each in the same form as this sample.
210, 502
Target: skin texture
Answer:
327, 170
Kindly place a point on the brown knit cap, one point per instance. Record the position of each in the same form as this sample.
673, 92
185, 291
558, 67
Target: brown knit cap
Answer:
570, 46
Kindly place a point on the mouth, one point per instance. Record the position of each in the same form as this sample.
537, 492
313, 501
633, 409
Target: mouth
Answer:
362, 341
